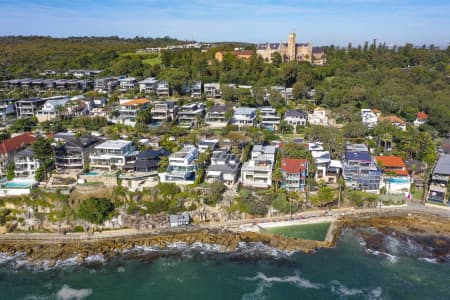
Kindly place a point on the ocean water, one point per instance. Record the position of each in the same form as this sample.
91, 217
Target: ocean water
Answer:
316, 232
349, 271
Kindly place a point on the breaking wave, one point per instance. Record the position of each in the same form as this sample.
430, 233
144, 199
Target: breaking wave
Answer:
68, 293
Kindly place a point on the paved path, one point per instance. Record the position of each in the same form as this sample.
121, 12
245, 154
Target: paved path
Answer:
231, 224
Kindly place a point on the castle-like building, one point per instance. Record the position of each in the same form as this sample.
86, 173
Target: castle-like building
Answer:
291, 51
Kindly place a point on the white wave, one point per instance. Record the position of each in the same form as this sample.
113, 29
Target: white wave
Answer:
71, 261
343, 291
121, 269
209, 247
95, 258
296, 280
429, 260
258, 294
68, 293
392, 258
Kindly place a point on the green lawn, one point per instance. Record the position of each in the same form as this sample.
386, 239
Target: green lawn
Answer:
152, 61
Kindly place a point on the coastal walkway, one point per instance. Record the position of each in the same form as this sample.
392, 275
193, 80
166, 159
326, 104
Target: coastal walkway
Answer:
307, 217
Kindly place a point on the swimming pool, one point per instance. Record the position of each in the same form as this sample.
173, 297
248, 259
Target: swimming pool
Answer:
93, 173
18, 184
398, 180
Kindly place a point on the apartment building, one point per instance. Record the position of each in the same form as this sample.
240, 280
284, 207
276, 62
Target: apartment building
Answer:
182, 166
361, 172
257, 172
269, 118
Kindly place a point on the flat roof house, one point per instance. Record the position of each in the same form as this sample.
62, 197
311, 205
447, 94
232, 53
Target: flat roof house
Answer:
182, 166
224, 168
257, 172
196, 89
27, 108
126, 84
361, 172
164, 112
162, 89
269, 118
26, 164
112, 154
148, 85
212, 90
190, 114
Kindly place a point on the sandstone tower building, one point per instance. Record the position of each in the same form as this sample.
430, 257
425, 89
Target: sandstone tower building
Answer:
291, 51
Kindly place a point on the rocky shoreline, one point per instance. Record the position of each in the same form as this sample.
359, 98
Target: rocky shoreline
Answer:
51, 251
428, 231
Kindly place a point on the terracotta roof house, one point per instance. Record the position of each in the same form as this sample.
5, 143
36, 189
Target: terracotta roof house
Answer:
294, 173
421, 118
394, 120
11, 146
393, 164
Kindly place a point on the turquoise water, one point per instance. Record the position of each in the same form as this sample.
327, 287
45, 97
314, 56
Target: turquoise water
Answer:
93, 173
315, 232
398, 180
346, 272
17, 184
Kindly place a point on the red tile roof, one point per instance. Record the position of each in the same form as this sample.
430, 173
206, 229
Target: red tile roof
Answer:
389, 162
393, 119
16, 143
375, 110
422, 116
294, 165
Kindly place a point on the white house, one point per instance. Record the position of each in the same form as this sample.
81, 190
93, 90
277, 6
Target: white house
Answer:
269, 118
162, 89
190, 114
244, 116
126, 84
421, 119
318, 117
257, 172
216, 116
182, 166
369, 118
112, 154
148, 85
212, 90
49, 110
163, 112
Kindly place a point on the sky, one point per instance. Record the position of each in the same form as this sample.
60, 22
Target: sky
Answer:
321, 22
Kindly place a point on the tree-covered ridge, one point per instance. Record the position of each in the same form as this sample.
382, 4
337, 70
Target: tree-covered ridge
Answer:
27, 56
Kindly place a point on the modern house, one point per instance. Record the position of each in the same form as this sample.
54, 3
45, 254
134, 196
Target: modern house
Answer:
196, 89
269, 118
395, 175
361, 172
106, 84
129, 110
322, 159
26, 164
147, 160
162, 89
257, 172
164, 112
189, 115
216, 116
27, 108
126, 84
244, 116
148, 85
369, 118
182, 166
212, 90
9, 147
294, 172
421, 119
112, 154
53, 107
7, 107
205, 145
318, 117
74, 152
224, 168
440, 179
295, 118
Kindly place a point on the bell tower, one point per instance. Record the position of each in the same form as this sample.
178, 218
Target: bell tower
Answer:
292, 46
